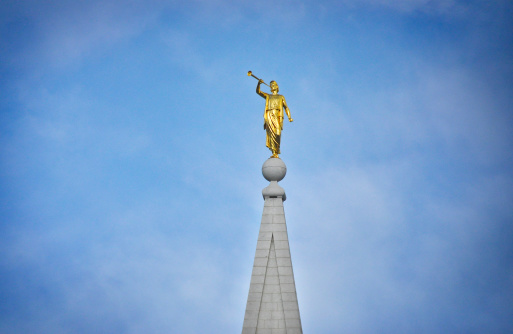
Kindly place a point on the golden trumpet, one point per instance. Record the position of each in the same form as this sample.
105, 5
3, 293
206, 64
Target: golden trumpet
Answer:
251, 74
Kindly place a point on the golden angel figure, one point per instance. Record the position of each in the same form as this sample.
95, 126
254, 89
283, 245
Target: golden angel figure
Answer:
273, 116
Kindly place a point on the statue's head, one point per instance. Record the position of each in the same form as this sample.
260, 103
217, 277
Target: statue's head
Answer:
274, 87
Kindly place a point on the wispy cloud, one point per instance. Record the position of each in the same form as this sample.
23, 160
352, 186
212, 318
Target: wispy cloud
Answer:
390, 245
453, 8
65, 32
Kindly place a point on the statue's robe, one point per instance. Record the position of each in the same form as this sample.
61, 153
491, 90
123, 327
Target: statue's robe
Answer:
273, 120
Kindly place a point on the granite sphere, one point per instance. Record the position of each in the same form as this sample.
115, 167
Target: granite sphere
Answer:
274, 169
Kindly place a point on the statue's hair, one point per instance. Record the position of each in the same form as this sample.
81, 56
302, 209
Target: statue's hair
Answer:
270, 83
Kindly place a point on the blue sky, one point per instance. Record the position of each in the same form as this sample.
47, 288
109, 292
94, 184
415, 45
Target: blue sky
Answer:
132, 143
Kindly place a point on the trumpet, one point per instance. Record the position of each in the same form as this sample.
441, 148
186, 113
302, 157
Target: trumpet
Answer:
252, 75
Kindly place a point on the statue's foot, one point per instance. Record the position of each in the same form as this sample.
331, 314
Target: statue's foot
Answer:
275, 156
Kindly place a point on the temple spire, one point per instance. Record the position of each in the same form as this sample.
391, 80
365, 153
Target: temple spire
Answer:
272, 306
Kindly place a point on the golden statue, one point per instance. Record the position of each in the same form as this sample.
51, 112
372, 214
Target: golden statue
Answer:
273, 115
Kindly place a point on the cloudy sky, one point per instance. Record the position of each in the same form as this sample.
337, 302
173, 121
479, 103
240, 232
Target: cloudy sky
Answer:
131, 146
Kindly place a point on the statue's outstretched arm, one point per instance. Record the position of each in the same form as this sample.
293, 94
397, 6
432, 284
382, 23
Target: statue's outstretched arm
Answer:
258, 91
287, 109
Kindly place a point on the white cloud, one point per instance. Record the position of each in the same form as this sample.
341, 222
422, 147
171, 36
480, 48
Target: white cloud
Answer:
67, 31
133, 277
364, 240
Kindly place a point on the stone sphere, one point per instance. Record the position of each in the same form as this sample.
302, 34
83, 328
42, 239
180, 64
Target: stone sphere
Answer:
274, 169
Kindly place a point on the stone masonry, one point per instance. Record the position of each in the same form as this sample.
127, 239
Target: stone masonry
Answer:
272, 306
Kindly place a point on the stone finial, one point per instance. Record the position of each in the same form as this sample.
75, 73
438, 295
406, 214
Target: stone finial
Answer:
274, 170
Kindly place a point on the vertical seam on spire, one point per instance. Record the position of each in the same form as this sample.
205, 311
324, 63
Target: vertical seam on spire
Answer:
265, 279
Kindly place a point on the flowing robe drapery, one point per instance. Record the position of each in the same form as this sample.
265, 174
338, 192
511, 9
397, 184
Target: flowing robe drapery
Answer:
273, 121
